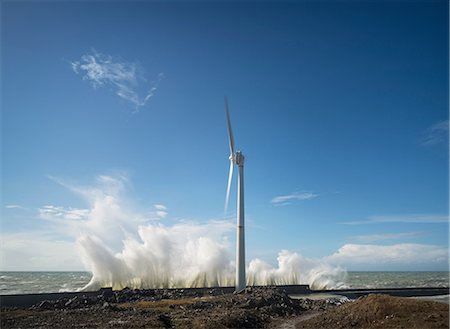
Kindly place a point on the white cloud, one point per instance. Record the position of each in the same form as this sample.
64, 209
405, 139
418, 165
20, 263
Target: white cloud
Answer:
31, 251
386, 236
412, 218
284, 199
436, 134
126, 78
395, 256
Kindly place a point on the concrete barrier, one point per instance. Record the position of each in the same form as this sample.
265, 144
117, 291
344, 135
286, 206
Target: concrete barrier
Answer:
26, 300
399, 292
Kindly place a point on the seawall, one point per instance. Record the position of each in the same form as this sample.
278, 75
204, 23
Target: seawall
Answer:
26, 300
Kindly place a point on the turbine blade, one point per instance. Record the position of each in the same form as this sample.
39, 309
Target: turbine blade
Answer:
230, 132
230, 177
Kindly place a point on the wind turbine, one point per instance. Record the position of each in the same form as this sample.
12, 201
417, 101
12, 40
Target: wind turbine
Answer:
237, 158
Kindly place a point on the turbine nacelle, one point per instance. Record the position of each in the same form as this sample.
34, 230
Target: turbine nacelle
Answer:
239, 158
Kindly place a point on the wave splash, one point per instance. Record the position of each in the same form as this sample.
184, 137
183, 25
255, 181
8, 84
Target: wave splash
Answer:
192, 255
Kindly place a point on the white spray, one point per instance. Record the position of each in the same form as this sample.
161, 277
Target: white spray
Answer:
123, 248
165, 258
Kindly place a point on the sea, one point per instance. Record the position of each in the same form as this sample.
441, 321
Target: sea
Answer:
46, 282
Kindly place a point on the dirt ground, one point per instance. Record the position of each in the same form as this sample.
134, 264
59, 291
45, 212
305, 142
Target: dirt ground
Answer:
256, 308
381, 311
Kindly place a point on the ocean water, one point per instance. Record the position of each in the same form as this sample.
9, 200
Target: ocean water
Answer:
42, 282
377, 280
45, 282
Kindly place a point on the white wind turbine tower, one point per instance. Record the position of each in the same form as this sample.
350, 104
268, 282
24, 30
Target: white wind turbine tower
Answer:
237, 158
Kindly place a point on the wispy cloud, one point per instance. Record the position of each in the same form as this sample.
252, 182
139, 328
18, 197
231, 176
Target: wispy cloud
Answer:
13, 206
159, 212
284, 199
386, 236
435, 134
412, 218
57, 213
160, 207
126, 78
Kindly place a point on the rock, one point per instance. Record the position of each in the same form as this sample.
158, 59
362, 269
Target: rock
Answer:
166, 320
71, 302
44, 305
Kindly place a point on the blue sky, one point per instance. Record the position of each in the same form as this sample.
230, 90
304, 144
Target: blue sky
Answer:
340, 108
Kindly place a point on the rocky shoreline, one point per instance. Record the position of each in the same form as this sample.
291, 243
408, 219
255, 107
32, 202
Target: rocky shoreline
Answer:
266, 307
